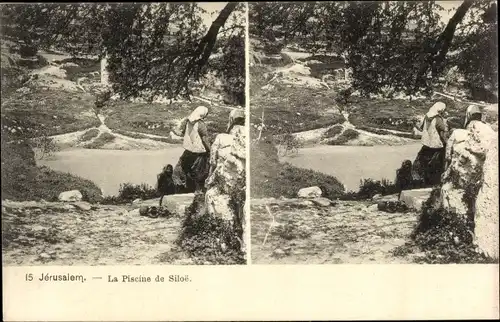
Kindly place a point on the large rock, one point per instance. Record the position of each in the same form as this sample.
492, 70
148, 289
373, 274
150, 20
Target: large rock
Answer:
310, 192
227, 178
470, 182
175, 204
486, 216
415, 198
72, 195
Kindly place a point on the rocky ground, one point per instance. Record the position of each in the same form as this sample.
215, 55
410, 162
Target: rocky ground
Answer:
348, 232
79, 233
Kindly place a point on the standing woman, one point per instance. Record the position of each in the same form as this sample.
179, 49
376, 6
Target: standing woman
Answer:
195, 159
429, 163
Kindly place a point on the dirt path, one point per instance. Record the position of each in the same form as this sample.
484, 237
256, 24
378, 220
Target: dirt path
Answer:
349, 233
35, 233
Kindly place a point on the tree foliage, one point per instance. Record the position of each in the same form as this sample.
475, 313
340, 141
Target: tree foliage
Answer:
152, 48
395, 45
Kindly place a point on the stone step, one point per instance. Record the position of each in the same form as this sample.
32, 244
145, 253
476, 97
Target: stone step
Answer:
415, 198
174, 203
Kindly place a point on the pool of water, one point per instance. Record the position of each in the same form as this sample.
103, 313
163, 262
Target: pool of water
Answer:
350, 164
109, 168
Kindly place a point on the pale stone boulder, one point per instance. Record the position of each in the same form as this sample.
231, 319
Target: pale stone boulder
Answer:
71, 195
472, 161
310, 192
227, 172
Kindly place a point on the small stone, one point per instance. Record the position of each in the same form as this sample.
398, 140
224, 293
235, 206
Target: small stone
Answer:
136, 201
278, 252
143, 210
322, 202
68, 207
44, 256
82, 205
135, 212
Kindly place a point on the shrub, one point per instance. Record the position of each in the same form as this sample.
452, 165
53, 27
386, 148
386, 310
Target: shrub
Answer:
344, 137
369, 188
333, 131
101, 140
23, 180
27, 51
208, 238
445, 236
44, 146
129, 192
271, 178
88, 135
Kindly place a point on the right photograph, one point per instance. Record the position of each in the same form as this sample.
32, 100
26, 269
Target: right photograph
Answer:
374, 132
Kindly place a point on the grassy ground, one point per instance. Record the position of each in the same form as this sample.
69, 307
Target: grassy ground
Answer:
48, 112
142, 136
270, 178
23, 180
395, 114
290, 108
159, 119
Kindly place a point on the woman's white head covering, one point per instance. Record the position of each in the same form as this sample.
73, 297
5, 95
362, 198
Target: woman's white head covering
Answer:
198, 114
471, 110
436, 109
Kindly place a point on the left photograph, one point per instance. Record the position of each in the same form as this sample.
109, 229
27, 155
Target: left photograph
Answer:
123, 133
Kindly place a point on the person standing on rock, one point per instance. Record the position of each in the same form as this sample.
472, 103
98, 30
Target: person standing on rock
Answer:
194, 160
429, 164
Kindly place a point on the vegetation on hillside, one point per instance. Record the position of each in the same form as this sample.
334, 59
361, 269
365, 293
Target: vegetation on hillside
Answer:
152, 48
390, 46
271, 178
22, 179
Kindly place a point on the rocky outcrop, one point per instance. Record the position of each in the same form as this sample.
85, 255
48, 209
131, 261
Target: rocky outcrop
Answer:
470, 182
227, 179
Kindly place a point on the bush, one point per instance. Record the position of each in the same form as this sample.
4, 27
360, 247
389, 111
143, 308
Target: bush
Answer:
23, 180
101, 140
129, 192
333, 131
445, 236
271, 178
208, 238
344, 137
44, 146
27, 51
88, 135
369, 188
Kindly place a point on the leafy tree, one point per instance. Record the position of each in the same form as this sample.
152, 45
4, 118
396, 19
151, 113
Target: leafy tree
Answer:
389, 45
476, 50
152, 48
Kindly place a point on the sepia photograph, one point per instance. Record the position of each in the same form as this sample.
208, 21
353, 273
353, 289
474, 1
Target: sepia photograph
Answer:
123, 133
374, 132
